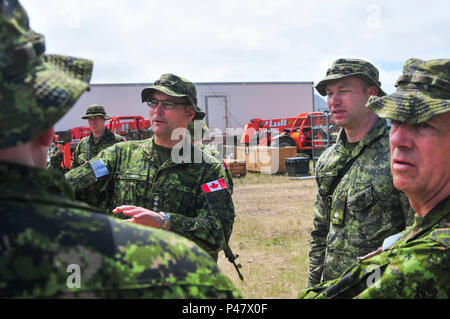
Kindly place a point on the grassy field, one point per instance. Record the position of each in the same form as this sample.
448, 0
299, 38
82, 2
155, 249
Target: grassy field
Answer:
271, 235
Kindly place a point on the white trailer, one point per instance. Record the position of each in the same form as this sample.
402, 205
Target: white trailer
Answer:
226, 104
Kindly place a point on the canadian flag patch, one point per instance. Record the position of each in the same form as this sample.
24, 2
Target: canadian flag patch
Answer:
214, 186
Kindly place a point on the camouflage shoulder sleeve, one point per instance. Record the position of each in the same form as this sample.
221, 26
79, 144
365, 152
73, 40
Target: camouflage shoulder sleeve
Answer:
419, 270
318, 236
164, 265
412, 269
212, 152
221, 202
83, 254
229, 179
318, 241
98, 170
212, 224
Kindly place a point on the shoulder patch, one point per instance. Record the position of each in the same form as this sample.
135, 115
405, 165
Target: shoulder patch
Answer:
99, 168
214, 186
389, 241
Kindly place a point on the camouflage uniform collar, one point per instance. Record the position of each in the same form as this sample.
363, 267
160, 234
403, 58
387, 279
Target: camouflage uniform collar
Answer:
378, 130
149, 150
151, 153
15, 179
424, 224
105, 135
108, 132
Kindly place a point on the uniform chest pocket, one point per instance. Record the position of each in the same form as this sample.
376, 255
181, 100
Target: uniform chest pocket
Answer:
361, 198
130, 189
325, 180
367, 220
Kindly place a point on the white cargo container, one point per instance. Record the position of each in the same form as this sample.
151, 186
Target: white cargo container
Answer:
226, 104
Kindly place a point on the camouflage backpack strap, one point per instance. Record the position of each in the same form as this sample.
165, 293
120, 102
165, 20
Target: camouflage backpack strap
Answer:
341, 174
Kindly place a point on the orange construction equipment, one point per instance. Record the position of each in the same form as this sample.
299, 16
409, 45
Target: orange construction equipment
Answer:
306, 131
255, 130
130, 127
67, 162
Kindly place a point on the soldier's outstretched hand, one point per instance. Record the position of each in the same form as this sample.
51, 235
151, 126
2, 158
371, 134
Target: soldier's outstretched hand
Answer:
141, 216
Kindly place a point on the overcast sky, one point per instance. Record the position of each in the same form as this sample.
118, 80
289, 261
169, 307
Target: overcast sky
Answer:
240, 40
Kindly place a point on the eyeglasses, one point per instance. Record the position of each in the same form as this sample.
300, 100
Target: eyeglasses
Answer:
165, 105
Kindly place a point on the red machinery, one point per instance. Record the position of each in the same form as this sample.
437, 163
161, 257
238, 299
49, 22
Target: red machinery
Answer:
305, 131
130, 127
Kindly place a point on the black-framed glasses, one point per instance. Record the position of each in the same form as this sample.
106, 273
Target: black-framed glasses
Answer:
166, 104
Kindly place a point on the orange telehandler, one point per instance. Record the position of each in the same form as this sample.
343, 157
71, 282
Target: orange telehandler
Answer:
130, 127
306, 131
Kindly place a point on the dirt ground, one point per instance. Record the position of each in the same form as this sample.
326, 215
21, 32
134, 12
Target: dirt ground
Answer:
271, 235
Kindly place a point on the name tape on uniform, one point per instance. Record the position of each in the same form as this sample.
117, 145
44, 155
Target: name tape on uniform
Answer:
215, 186
99, 168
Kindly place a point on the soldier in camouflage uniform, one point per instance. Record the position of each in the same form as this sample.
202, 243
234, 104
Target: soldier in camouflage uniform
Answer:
165, 181
50, 244
56, 156
100, 138
415, 262
356, 205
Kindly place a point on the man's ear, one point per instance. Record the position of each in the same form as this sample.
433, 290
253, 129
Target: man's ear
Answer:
372, 90
191, 113
46, 138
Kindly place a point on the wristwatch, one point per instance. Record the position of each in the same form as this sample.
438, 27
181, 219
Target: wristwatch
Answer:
166, 219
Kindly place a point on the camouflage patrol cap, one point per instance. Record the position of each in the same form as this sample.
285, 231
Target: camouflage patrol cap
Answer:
342, 68
176, 86
423, 91
95, 110
36, 90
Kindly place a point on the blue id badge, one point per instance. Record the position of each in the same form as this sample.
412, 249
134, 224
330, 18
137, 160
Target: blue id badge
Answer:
99, 168
388, 242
